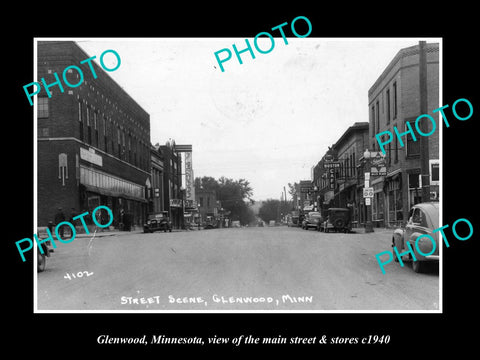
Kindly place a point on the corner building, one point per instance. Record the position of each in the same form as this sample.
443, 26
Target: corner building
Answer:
394, 100
93, 141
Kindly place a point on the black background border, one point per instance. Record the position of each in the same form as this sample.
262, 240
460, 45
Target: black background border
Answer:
410, 333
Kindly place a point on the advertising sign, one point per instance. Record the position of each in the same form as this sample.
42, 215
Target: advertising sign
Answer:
189, 183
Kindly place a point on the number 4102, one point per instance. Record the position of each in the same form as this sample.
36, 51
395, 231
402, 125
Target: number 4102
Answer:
78, 275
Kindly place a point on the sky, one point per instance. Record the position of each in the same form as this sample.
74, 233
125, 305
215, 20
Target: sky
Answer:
268, 120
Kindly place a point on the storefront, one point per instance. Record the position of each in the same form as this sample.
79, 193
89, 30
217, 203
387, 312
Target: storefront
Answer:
126, 199
394, 198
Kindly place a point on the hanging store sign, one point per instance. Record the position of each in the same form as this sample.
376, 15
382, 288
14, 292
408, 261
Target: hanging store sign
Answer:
378, 171
331, 165
332, 179
189, 183
176, 203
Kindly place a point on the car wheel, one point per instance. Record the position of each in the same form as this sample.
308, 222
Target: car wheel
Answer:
418, 266
41, 261
394, 245
339, 223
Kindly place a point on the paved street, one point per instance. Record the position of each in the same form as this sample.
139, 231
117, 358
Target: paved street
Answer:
278, 268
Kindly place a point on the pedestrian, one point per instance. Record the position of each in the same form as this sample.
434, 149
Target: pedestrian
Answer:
59, 217
99, 217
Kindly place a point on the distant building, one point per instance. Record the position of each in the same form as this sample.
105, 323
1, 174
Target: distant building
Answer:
93, 141
207, 203
393, 100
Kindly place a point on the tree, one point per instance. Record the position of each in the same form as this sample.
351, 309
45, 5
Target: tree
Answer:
269, 210
292, 189
234, 196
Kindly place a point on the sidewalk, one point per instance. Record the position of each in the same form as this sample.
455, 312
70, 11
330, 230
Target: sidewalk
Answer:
361, 230
97, 231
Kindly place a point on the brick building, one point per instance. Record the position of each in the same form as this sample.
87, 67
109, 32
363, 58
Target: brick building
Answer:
173, 192
156, 192
393, 100
349, 149
207, 203
93, 141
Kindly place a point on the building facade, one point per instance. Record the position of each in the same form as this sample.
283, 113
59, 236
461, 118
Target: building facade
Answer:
93, 141
173, 199
207, 203
348, 150
393, 100
155, 192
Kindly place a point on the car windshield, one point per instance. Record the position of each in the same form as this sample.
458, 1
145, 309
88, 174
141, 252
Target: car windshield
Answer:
315, 214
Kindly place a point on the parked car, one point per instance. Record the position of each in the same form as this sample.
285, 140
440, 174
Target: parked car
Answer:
338, 220
210, 222
301, 218
159, 221
312, 219
423, 218
292, 220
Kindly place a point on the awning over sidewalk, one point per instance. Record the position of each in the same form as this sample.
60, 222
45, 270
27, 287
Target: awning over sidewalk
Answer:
112, 193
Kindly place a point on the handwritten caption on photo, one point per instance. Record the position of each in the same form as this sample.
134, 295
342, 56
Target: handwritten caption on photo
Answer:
216, 299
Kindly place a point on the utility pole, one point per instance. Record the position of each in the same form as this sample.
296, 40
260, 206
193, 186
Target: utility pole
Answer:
424, 154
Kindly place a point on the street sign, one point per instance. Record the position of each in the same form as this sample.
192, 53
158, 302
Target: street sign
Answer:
331, 165
367, 201
368, 192
378, 170
332, 178
378, 158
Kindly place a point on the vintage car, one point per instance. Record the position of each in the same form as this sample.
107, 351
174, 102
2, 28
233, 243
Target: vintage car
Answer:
292, 220
210, 222
312, 219
338, 220
159, 221
423, 218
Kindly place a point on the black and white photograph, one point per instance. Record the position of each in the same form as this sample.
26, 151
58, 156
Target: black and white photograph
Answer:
174, 177
299, 181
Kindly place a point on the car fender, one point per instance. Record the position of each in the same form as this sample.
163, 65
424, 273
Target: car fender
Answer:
412, 239
398, 239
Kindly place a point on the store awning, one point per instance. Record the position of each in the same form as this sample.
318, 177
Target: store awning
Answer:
112, 193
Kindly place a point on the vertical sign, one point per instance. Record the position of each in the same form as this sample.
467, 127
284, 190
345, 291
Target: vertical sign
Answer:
62, 167
189, 184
